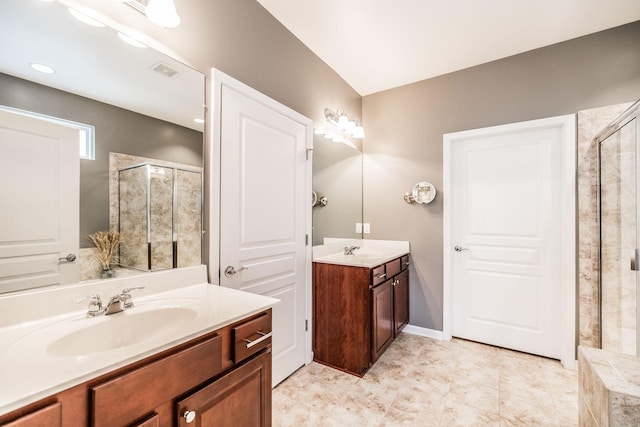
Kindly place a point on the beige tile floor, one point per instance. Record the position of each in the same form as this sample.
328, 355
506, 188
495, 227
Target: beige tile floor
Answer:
423, 382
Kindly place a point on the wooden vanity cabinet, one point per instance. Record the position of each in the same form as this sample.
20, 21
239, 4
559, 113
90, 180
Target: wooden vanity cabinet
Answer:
358, 312
223, 374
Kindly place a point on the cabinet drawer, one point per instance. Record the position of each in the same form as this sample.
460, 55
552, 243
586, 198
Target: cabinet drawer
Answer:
131, 396
251, 337
404, 262
49, 416
378, 275
392, 268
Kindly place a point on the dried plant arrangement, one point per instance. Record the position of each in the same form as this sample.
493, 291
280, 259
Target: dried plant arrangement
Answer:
107, 244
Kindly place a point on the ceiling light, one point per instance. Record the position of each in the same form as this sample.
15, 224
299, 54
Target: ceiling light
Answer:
198, 120
163, 13
130, 40
42, 68
84, 18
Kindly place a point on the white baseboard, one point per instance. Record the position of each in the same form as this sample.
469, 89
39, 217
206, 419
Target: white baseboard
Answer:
424, 332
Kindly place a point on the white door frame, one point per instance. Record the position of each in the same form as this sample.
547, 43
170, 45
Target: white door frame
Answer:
212, 169
567, 125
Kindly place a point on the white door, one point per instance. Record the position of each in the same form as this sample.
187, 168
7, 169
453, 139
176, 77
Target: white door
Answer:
264, 214
506, 243
39, 190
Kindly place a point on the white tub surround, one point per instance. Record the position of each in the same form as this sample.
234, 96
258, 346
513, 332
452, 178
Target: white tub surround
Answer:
32, 321
609, 388
371, 253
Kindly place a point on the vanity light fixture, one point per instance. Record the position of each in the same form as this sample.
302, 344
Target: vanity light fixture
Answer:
162, 13
42, 68
347, 125
344, 126
85, 18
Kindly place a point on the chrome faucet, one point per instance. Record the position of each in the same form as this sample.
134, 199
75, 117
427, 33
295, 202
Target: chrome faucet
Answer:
348, 250
116, 304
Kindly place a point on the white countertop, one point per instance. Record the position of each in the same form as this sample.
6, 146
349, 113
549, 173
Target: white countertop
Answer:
371, 253
28, 374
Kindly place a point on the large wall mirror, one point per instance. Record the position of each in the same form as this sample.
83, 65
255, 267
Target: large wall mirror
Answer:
337, 184
142, 104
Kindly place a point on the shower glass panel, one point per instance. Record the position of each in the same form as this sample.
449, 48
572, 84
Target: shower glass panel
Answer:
618, 153
160, 217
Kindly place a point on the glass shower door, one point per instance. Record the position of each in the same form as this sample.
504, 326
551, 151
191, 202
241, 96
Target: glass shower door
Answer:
619, 239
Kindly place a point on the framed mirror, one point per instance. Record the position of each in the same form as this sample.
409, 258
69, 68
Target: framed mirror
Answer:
141, 103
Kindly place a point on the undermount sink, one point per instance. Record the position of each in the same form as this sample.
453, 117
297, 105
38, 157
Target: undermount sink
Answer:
86, 336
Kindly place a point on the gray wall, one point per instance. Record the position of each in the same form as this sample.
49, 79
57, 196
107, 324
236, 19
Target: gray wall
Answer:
405, 127
117, 130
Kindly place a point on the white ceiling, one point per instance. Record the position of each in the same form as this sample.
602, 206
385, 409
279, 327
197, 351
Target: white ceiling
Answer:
381, 44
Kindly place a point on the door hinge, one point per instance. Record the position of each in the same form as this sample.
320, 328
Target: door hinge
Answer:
309, 150
306, 240
306, 325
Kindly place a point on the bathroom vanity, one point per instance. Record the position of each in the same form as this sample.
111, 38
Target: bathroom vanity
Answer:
212, 367
361, 303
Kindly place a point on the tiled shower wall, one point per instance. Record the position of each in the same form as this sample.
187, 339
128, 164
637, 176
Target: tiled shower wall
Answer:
590, 124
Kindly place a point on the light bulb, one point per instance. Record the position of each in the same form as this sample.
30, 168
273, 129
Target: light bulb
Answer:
343, 121
163, 13
359, 132
351, 127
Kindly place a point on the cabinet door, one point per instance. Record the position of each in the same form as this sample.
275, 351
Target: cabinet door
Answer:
382, 321
238, 399
400, 301
49, 416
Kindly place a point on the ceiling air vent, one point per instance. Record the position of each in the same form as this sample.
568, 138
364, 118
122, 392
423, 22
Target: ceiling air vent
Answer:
164, 69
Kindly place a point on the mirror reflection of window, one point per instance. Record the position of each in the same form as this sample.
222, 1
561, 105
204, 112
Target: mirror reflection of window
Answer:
87, 133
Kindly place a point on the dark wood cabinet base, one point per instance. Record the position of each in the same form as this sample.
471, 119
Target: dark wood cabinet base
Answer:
357, 312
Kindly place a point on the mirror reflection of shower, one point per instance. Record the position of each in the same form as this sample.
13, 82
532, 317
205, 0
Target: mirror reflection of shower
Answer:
618, 214
159, 215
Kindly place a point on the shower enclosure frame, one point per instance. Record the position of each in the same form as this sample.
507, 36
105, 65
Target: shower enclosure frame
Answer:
632, 113
175, 169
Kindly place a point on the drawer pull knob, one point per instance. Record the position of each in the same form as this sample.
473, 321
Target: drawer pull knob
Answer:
259, 340
189, 416
382, 276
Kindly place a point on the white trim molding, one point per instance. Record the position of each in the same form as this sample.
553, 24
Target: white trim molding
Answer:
424, 332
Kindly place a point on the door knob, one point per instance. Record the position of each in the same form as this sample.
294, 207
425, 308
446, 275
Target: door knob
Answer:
459, 248
230, 270
68, 258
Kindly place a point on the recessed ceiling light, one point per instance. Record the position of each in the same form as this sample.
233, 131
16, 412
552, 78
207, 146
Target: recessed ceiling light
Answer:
198, 120
86, 19
42, 68
130, 40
